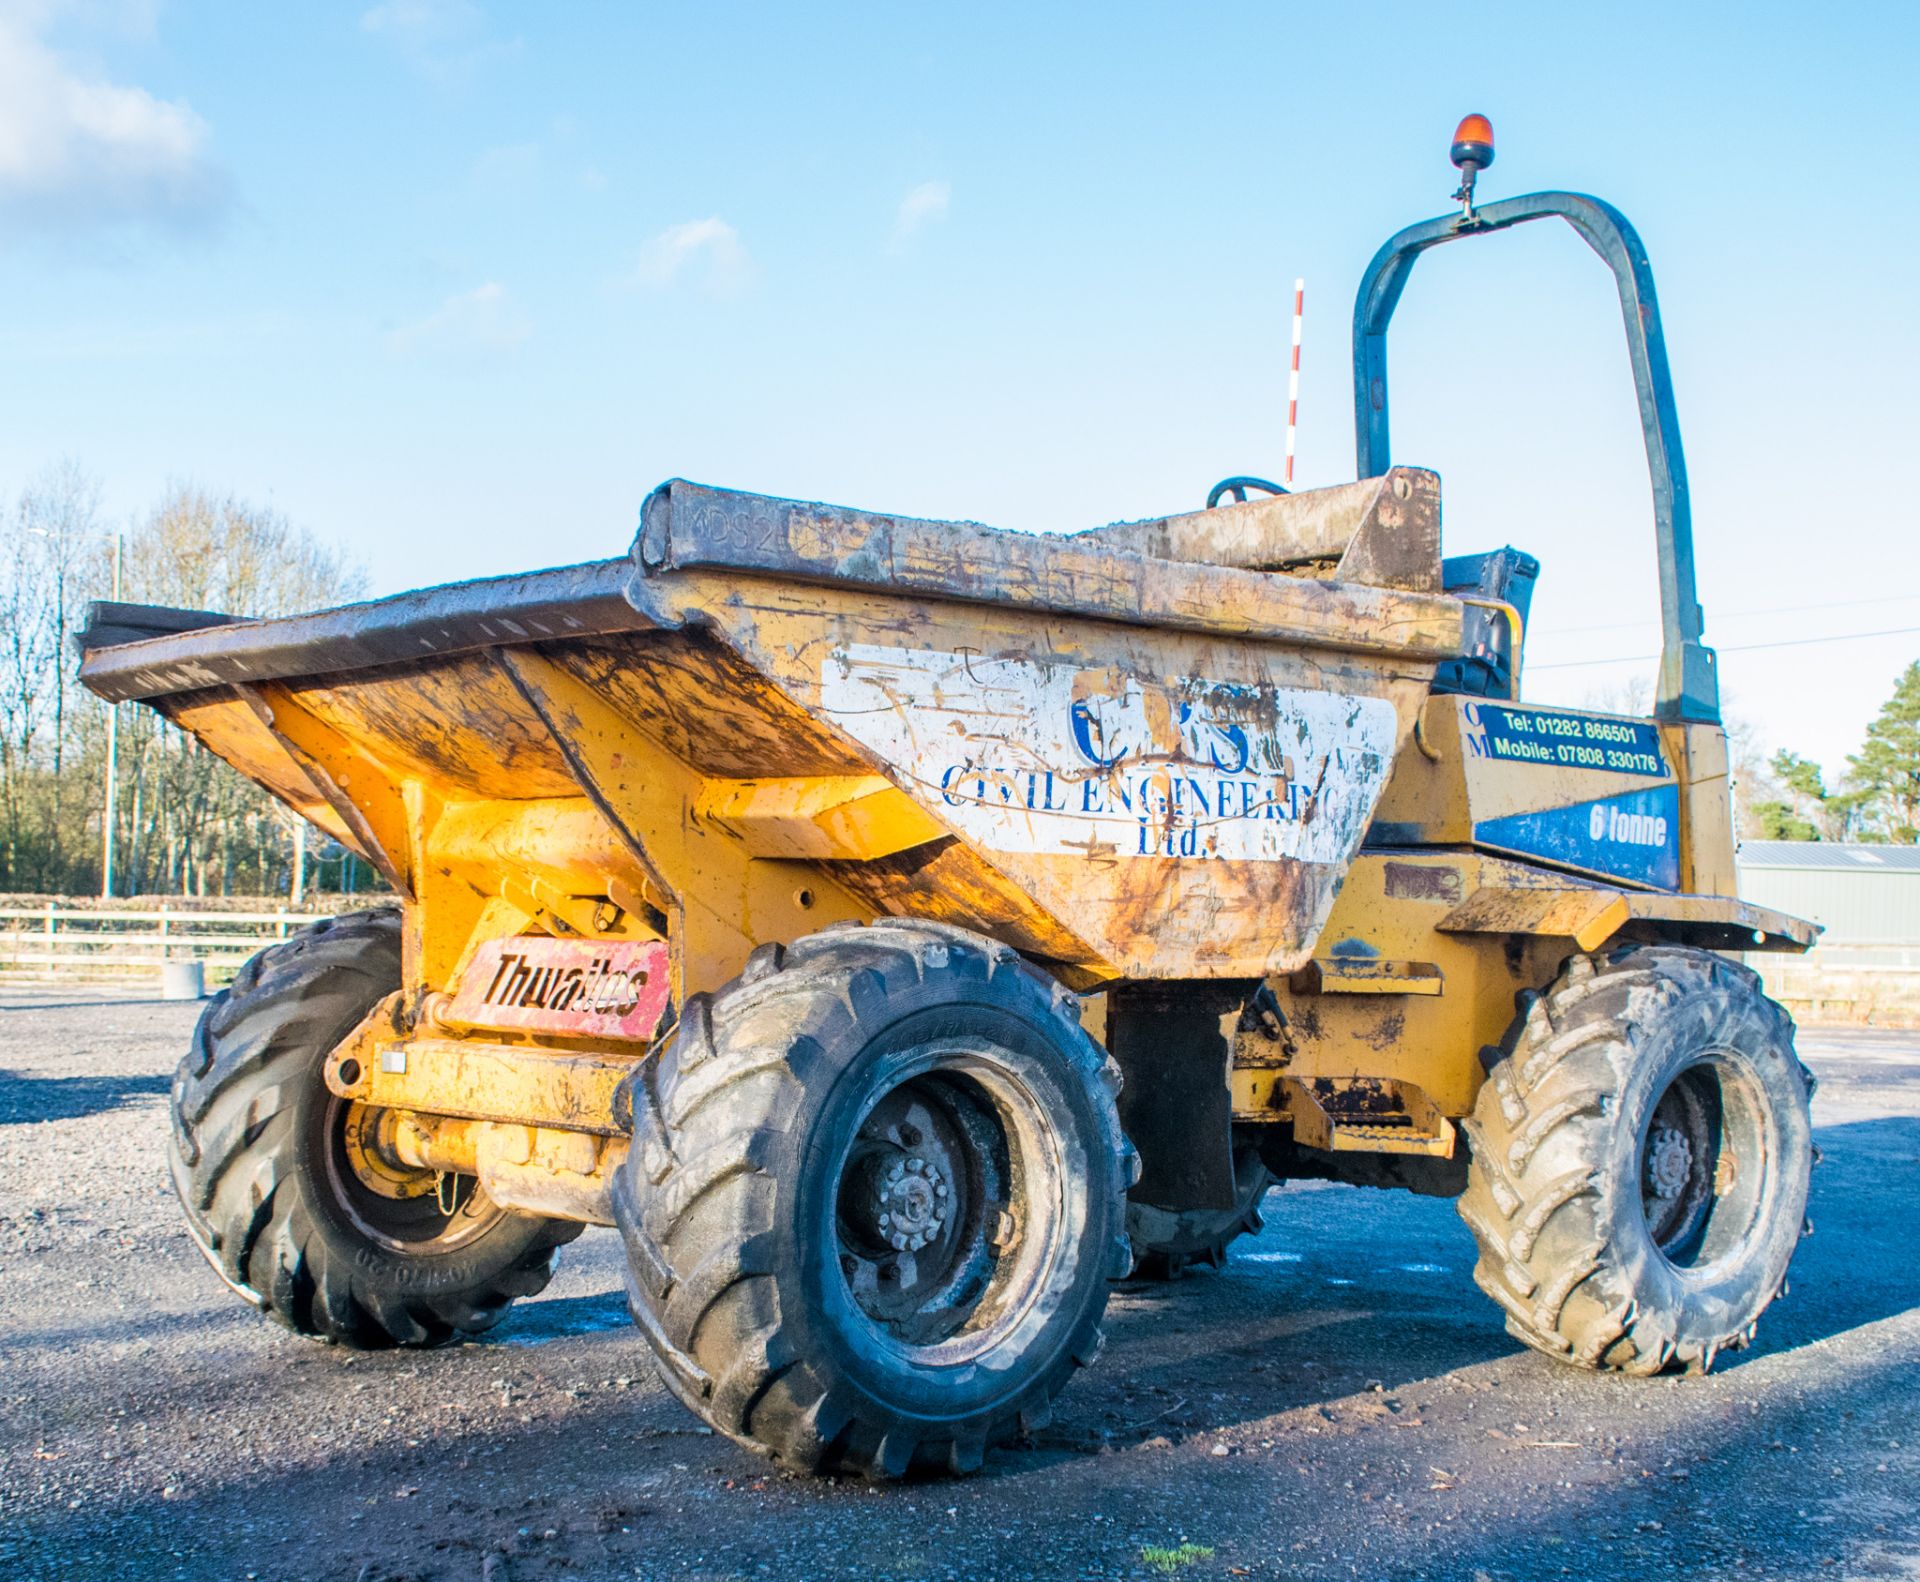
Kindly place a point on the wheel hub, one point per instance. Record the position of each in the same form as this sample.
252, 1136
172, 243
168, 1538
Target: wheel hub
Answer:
367, 1137
923, 1211
911, 1203
399, 1206
1689, 1163
1669, 1162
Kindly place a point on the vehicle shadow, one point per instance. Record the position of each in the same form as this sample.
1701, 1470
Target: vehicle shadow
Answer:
609, 1491
105, 1001
1354, 1291
64, 1339
26, 1099
1855, 1268
1335, 1353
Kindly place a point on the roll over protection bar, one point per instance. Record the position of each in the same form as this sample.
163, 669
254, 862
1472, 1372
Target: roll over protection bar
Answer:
1689, 687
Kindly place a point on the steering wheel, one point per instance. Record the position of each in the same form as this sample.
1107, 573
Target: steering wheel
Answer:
1238, 488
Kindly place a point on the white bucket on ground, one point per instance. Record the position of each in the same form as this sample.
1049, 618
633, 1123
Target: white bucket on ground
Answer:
183, 980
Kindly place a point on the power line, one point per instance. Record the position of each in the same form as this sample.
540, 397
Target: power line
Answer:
1733, 648
1735, 615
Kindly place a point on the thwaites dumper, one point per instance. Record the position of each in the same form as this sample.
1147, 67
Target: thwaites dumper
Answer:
901, 929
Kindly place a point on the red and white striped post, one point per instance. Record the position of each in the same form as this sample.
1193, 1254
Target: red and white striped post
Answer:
1293, 376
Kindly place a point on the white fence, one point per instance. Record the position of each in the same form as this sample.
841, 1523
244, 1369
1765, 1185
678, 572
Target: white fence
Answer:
1832, 985
49, 940
1878, 984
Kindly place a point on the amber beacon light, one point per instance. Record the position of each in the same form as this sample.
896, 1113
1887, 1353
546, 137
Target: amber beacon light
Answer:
1472, 151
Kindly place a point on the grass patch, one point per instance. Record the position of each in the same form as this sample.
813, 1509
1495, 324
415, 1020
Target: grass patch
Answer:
1168, 1561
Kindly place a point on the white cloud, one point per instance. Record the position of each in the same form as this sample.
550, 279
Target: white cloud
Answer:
922, 206
708, 251
78, 153
485, 319
516, 169
442, 39
513, 167
422, 24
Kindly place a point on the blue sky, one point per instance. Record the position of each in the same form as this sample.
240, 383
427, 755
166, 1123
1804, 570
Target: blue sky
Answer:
456, 284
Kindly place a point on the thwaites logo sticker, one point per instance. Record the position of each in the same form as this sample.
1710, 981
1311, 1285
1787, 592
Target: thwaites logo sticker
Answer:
600, 989
1567, 741
1038, 755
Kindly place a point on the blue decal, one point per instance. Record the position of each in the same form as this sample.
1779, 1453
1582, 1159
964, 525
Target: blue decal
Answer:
1566, 741
1635, 836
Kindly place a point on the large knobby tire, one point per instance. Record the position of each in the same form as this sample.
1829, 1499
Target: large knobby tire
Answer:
273, 1200
875, 1194
1168, 1242
1640, 1159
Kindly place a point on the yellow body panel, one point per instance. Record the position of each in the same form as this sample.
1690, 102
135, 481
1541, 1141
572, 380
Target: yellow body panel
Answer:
1150, 752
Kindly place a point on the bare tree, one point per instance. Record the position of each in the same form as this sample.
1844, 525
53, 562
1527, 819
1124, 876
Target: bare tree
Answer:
203, 551
25, 654
44, 545
193, 822
62, 510
185, 821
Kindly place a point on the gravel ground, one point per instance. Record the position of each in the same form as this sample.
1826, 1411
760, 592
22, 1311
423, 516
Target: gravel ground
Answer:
1342, 1402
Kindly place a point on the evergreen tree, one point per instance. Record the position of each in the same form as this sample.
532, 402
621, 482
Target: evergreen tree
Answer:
1885, 773
1804, 811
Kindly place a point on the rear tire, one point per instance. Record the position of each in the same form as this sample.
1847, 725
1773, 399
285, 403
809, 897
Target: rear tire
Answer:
1640, 1161
260, 1159
873, 1200
1168, 1242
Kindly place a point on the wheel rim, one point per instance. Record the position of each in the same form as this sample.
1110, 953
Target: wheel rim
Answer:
949, 1205
402, 1209
1703, 1163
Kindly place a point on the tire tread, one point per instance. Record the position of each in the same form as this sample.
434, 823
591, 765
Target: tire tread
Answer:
253, 1054
1558, 1074
708, 1113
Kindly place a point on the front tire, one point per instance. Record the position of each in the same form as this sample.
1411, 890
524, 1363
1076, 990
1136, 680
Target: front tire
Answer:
281, 1196
1640, 1161
874, 1198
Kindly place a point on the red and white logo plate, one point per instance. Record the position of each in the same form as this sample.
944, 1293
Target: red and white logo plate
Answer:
592, 988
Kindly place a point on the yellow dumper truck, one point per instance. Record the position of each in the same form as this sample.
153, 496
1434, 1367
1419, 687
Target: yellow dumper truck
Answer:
901, 929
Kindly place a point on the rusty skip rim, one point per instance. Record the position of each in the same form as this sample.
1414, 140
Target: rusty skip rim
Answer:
625, 595
689, 527
430, 623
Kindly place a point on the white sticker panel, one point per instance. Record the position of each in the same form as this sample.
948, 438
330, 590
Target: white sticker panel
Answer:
1038, 755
